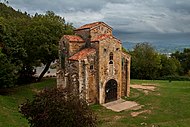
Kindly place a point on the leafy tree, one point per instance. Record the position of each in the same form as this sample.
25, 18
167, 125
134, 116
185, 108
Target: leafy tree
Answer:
57, 108
29, 41
42, 36
184, 59
8, 73
11, 42
170, 66
145, 62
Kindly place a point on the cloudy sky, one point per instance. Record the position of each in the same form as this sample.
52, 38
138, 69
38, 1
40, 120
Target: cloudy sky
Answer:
132, 20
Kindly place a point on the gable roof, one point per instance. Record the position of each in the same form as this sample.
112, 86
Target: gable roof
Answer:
92, 25
82, 54
73, 38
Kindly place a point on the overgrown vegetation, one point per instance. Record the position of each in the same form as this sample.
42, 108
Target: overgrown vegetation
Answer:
11, 98
27, 41
149, 64
58, 108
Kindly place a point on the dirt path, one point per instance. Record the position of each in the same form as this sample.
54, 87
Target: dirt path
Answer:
146, 88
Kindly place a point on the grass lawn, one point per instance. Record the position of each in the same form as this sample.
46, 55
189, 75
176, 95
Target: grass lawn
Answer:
169, 106
9, 115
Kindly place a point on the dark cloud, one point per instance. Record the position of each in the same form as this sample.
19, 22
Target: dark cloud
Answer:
125, 16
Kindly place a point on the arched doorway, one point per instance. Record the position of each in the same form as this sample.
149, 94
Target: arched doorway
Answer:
111, 91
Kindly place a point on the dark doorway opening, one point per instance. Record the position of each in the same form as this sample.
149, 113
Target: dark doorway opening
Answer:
111, 91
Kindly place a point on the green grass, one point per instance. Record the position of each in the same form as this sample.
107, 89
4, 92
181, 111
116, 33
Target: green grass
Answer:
169, 105
9, 115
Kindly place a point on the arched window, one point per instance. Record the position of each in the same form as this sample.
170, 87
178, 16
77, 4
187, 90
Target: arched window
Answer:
111, 69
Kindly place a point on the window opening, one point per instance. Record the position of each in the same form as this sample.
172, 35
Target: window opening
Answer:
111, 56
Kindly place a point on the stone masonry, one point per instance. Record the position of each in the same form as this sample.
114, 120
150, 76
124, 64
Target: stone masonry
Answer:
93, 64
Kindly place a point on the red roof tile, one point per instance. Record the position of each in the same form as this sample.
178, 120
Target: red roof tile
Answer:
86, 26
73, 38
82, 54
91, 25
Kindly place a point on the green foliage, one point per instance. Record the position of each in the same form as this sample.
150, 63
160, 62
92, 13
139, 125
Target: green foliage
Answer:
145, 62
8, 72
169, 66
29, 41
9, 13
56, 108
124, 50
184, 58
11, 98
148, 64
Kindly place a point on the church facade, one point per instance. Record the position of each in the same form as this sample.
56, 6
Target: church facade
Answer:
93, 64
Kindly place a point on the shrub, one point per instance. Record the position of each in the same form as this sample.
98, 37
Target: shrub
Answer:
8, 72
56, 108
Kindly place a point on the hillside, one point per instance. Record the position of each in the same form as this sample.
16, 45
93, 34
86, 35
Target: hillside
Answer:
162, 46
8, 12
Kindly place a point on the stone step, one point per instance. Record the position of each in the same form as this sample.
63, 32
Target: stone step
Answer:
120, 105
113, 103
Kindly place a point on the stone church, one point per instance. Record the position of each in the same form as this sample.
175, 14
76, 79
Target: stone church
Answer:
93, 64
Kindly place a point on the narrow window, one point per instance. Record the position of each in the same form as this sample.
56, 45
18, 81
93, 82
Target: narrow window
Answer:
111, 56
91, 67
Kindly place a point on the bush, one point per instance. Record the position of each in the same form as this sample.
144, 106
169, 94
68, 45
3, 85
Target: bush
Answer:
56, 108
8, 72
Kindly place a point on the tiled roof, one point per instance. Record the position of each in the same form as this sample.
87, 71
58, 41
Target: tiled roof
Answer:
91, 25
82, 54
73, 38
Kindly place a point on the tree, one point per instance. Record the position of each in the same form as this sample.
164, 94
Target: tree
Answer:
11, 47
184, 59
8, 73
29, 41
57, 108
170, 66
42, 38
145, 62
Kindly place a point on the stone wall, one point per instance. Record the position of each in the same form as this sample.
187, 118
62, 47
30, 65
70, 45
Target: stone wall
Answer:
109, 71
74, 47
99, 30
126, 61
88, 76
73, 76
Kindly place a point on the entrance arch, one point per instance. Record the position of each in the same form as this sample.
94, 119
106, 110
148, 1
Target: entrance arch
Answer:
111, 91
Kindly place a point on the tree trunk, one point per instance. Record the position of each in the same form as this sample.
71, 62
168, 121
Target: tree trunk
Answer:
44, 71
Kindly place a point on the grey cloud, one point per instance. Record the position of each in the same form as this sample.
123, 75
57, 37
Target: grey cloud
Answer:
58, 5
162, 16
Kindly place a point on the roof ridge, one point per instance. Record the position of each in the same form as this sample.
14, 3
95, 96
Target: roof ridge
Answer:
90, 25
